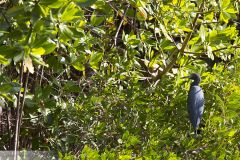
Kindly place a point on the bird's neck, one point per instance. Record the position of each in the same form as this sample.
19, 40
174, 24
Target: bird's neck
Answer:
195, 83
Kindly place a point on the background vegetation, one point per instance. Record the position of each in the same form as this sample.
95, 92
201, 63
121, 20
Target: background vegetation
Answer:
101, 79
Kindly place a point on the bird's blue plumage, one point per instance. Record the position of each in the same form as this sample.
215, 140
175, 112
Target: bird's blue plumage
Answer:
195, 105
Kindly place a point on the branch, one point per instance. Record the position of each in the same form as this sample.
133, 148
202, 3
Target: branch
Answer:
121, 14
18, 113
217, 50
177, 52
23, 100
120, 25
5, 18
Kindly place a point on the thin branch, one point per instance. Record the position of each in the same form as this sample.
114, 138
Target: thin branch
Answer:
217, 50
23, 100
18, 112
120, 25
19, 104
9, 126
41, 76
4, 16
121, 14
177, 52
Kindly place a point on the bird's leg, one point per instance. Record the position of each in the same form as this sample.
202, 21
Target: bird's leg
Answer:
195, 132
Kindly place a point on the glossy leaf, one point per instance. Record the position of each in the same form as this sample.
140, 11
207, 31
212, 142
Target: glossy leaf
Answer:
95, 59
53, 3
70, 12
38, 51
12, 88
85, 3
79, 63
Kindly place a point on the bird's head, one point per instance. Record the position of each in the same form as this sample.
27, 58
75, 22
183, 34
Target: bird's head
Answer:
194, 76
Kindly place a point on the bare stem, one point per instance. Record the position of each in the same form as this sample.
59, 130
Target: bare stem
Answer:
177, 52
18, 113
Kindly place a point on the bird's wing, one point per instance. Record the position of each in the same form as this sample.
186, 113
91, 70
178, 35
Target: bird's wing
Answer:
195, 105
200, 106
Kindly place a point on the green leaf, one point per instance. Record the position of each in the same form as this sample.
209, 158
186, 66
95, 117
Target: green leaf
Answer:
209, 52
231, 10
165, 33
53, 3
46, 43
232, 133
9, 52
37, 51
224, 4
3, 60
44, 10
11, 88
194, 40
70, 12
39, 26
71, 87
95, 20
78, 64
95, 58
209, 16
141, 14
85, 3
38, 60
66, 32
174, 2
202, 33
15, 11
224, 16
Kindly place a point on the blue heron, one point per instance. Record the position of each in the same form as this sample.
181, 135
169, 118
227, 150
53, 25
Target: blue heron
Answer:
195, 102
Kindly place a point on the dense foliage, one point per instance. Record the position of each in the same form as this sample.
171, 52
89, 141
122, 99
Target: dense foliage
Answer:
101, 79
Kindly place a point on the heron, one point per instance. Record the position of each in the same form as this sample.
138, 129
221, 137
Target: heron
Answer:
195, 102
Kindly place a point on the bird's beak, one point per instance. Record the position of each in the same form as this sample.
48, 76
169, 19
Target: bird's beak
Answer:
185, 77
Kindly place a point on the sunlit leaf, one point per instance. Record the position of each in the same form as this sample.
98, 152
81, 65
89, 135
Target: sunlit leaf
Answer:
85, 3
232, 133
142, 14
95, 58
37, 59
53, 3
224, 16
224, 4
46, 43
70, 12
79, 63
202, 33
210, 16
164, 31
37, 51
96, 20
3, 60
66, 32
174, 2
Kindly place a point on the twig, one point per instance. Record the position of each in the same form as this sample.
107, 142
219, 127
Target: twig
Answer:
9, 126
120, 25
177, 52
23, 100
6, 19
19, 107
122, 15
41, 77
217, 50
18, 112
